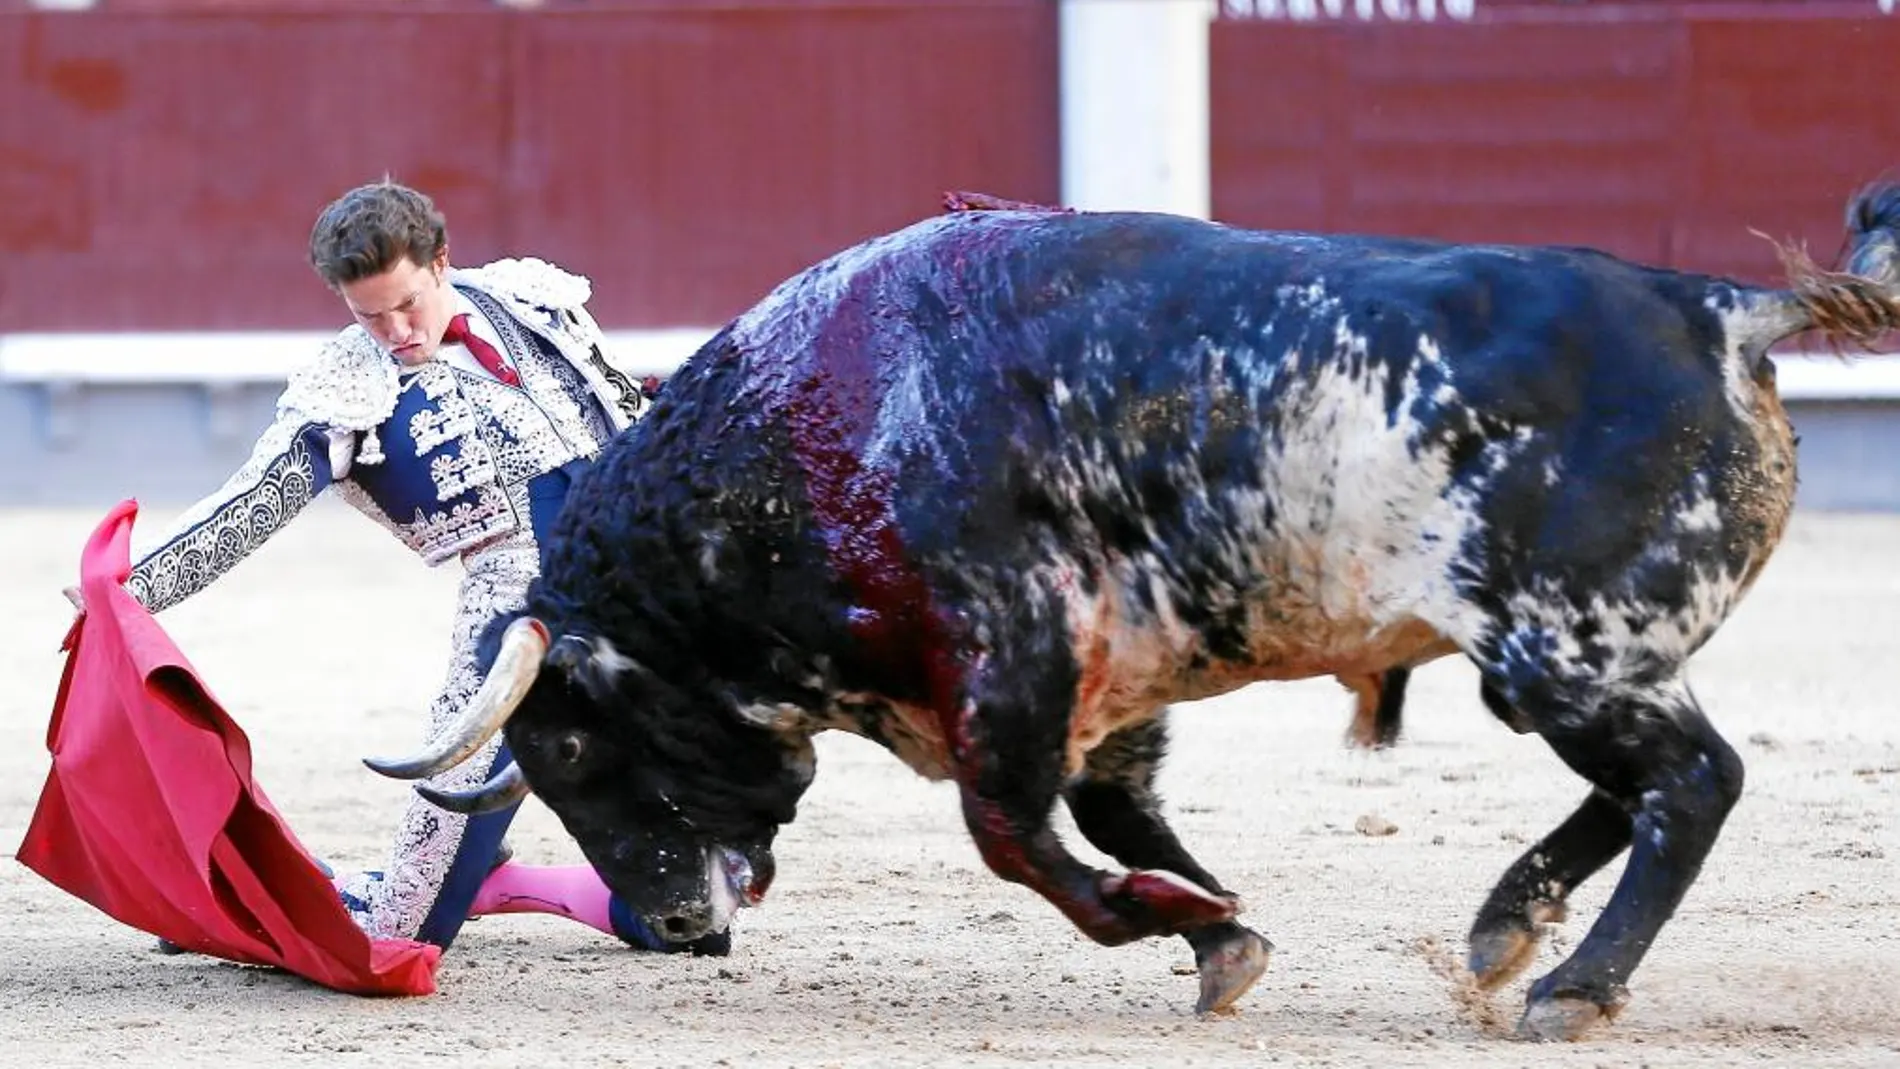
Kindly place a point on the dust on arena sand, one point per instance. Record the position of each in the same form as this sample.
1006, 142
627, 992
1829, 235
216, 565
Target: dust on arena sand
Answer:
885, 940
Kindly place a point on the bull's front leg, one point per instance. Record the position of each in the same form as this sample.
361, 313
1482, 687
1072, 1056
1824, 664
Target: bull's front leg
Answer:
1008, 743
1116, 808
1012, 833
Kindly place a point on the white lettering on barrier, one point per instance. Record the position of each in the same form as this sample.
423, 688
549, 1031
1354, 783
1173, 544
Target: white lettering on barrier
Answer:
1370, 10
1357, 10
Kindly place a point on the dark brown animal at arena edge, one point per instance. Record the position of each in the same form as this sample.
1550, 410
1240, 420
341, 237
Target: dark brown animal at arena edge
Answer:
995, 489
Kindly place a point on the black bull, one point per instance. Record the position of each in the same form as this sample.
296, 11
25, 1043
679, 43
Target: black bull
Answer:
995, 489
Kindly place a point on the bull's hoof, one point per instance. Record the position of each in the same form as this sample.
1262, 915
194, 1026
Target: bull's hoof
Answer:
1499, 955
1230, 969
1366, 737
1162, 902
1503, 951
1566, 1017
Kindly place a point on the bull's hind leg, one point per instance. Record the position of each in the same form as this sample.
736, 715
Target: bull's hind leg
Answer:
1115, 807
1378, 707
1008, 743
1653, 756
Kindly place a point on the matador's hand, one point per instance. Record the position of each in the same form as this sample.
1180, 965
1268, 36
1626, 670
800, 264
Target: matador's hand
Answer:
79, 615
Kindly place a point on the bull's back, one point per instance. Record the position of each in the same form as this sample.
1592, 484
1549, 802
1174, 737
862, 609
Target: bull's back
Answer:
1249, 439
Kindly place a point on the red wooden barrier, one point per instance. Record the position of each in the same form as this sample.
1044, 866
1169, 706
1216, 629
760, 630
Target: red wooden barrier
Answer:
1662, 131
161, 171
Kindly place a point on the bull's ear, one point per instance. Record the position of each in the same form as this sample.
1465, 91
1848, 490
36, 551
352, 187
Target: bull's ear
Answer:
594, 665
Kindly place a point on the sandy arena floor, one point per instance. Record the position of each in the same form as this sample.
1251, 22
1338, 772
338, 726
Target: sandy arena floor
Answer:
886, 941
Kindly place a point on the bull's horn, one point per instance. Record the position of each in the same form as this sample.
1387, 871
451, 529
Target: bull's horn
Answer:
506, 788
522, 647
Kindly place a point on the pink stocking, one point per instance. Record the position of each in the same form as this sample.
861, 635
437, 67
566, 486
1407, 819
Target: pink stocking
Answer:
564, 890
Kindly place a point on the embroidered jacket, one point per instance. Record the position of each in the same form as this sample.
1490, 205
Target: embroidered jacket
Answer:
439, 456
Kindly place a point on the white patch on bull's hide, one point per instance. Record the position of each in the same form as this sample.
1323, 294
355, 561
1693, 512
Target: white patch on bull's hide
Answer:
1363, 527
1751, 323
910, 404
778, 716
710, 541
1131, 664
1661, 553
1635, 635
1349, 544
1700, 513
607, 659
1309, 299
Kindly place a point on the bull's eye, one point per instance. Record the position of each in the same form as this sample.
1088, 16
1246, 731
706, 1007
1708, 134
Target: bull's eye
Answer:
569, 748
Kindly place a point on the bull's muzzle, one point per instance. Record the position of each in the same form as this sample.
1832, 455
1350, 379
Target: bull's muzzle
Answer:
729, 888
523, 646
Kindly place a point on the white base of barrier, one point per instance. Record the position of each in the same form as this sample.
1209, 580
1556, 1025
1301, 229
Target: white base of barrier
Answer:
215, 357
229, 358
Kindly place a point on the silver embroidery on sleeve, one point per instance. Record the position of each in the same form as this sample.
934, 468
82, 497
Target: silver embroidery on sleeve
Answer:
399, 899
223, 529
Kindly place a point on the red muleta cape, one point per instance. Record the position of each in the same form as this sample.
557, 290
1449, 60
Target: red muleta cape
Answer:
150, 811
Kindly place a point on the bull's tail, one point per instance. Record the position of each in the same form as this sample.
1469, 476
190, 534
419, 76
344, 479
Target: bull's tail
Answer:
1855, 305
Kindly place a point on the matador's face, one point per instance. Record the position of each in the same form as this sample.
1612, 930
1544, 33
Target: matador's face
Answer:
406, 308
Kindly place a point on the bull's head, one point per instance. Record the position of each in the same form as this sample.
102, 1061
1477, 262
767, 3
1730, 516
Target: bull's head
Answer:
673, 798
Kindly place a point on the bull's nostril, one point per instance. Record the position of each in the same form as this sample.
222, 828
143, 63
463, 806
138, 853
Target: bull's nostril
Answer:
677, 927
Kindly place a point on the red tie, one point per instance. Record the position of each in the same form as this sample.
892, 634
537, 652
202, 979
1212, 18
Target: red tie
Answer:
484, 353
